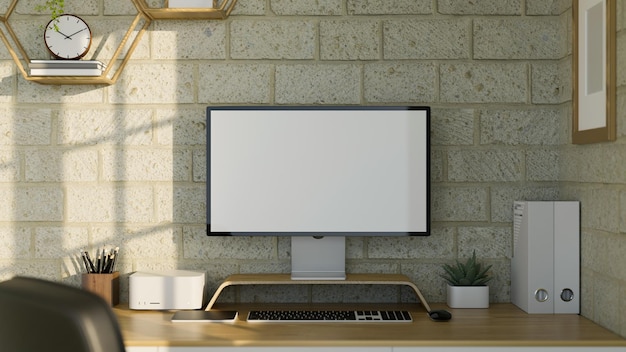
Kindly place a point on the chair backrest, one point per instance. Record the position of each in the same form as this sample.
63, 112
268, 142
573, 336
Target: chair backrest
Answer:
39, 315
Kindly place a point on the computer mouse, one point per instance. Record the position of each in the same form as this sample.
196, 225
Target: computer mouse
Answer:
440, 315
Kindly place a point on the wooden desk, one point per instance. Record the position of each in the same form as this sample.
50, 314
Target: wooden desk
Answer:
499, 326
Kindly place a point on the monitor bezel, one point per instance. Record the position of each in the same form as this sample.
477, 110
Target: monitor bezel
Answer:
427, 231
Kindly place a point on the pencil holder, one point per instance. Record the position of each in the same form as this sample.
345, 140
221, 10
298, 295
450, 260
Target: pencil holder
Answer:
106, 286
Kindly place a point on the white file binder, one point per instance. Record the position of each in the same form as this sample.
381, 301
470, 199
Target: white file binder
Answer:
545, 268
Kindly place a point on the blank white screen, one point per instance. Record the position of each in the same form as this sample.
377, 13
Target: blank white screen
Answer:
327, 171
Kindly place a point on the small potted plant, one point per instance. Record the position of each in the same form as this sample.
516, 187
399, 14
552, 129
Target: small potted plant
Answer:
467, 284
56, 7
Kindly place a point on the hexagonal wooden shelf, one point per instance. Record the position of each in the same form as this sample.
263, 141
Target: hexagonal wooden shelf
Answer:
108, 76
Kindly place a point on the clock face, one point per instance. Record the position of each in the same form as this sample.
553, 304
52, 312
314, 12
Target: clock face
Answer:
68, 37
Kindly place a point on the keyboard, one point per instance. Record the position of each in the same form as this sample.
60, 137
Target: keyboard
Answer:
330, 316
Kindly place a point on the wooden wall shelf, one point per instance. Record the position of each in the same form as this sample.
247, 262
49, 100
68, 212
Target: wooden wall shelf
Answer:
115, 66
79, 80
219, 13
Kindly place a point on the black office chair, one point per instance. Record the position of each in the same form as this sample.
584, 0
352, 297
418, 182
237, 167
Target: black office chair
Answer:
39, 315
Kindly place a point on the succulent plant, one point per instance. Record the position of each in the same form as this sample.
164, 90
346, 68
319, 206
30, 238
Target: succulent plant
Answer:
470, 273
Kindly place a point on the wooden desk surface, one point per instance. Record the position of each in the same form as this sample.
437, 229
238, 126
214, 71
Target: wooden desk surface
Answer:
500, 325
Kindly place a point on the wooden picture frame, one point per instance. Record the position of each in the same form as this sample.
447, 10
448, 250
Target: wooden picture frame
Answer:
594, 71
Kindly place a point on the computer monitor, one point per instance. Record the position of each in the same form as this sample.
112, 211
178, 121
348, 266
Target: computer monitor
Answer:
318, 174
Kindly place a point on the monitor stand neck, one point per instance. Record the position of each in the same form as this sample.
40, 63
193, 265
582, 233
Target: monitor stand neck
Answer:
318, 258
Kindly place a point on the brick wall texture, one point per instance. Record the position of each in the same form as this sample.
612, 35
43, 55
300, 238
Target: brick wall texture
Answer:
124, 165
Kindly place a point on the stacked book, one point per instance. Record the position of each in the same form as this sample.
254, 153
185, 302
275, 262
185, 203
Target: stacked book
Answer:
66, 68
191, 4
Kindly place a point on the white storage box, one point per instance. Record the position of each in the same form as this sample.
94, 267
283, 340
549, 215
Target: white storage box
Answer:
172, 289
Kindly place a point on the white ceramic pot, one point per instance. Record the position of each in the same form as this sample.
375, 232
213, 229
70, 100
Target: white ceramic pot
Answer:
468, 296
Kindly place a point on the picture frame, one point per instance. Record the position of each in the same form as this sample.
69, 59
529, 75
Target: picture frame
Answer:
594, 71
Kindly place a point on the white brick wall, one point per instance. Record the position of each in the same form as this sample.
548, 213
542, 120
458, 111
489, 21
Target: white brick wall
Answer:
86, 166
130, 158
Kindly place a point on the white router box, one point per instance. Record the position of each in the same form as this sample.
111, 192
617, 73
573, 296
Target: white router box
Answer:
545, 267
172, 289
